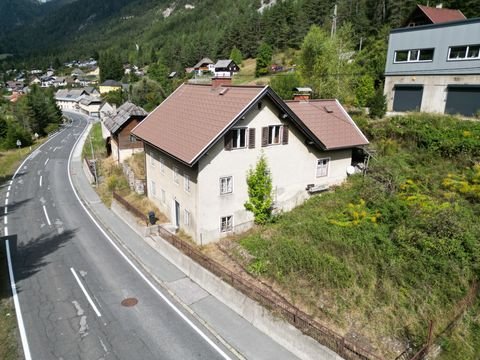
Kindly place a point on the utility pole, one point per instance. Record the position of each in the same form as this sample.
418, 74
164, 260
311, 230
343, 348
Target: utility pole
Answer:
334, 22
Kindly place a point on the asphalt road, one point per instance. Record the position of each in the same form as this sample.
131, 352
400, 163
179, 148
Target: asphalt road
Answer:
57, 249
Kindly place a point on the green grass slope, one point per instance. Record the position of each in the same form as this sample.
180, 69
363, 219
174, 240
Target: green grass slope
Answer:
385, 253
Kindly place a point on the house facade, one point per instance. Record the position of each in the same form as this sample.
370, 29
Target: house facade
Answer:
69, 99
120, 144
90, 105
434, 68
110, 85
225, 68
202, 140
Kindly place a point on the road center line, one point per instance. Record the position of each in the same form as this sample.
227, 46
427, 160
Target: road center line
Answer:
46, 215
9, 187
46, 162
5, 231
6, 202
85, 292
8, 194
6, 209
5, 220
40, 183
21, 326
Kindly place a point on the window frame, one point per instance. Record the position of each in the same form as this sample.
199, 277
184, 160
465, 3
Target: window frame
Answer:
162, 165
409, 59
467, 51
186, 183
326, 167
272, 133
227, 187
152, 159
186, 217
153, 188
176, 177
226, 223
163, 198
237, 137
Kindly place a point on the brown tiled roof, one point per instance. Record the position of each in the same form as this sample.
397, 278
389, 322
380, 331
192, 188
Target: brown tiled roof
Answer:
329, 122
124, 113
441, 15
193, 117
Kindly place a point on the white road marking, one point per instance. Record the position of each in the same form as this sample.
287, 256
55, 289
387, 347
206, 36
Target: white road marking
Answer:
8, 194
18, 311
85, 292
46, 162
46, 215
40, 183
6, 209
137, 270
9, 187
5, 220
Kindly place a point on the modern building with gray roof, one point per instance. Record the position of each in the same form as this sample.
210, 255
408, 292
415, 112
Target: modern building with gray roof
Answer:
434, 68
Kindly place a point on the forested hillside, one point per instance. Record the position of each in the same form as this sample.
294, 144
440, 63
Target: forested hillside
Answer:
184, 31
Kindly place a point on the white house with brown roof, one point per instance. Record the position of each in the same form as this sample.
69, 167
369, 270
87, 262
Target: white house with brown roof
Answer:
201, 141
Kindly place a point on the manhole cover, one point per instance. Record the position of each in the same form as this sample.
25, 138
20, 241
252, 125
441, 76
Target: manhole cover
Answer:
128, 302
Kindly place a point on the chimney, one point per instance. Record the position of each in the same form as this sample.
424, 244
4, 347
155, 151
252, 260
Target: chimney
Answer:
301, 97
218, 81
302, 93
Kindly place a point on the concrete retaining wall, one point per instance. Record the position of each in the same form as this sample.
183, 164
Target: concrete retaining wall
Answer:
282, 332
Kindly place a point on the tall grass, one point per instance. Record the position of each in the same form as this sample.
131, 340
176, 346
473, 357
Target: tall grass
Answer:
386, 253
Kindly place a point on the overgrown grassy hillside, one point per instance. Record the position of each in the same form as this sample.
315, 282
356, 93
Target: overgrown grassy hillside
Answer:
386, 253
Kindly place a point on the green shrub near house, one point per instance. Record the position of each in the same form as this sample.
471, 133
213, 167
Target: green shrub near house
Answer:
386, 253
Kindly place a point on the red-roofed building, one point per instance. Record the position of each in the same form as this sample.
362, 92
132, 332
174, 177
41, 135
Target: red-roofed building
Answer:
201, 141
425, 15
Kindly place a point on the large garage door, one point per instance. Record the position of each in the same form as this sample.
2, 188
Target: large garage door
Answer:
407, 97
463, 100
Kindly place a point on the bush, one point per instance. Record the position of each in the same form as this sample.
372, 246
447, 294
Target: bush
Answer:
378, 104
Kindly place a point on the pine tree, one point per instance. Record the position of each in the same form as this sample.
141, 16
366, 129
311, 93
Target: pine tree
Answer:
264, 59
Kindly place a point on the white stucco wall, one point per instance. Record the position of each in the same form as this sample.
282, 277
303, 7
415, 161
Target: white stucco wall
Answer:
105, 132
434, 88
292, 166
126, 153
163, 180
67, 105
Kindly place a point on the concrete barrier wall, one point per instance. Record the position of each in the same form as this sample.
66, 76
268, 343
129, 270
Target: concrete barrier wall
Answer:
281, 331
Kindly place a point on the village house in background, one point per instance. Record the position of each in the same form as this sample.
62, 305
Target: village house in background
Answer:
69, 100
110, 85
433, 63
117, 126
201, 141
